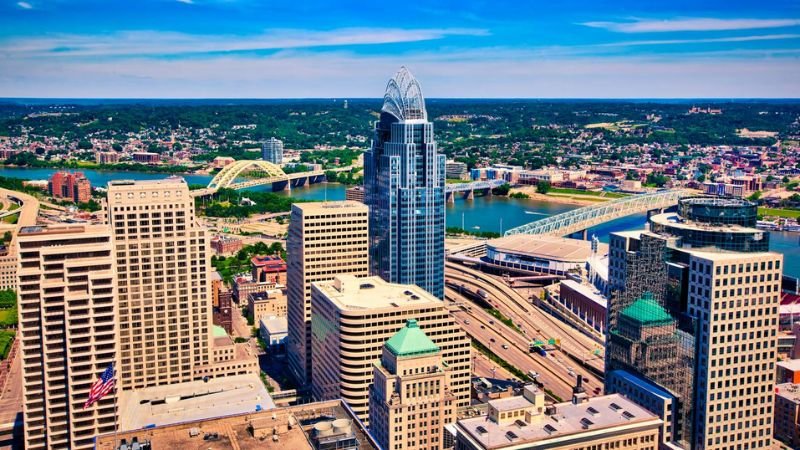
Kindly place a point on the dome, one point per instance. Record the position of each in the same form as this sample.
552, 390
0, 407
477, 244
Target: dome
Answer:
403, 98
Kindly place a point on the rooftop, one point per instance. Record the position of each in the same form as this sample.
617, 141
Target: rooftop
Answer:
588, 291
319, 207
411, 341
788, 391
275, 324
271, 263
290, 428
547, 247
647, 311
676, 221
168, 180
609, 412
350, 293
792, 365
194, 400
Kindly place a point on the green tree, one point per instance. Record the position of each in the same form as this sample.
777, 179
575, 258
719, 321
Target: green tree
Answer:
543, 187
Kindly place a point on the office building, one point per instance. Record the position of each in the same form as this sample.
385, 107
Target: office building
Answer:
351, 320
404, 188
72, 186
325, 239
355, 193
163, 273
787, 414
223, 312
524, 422
456, 170
272, 151
146, 157
311, 426
269, 303
67, 333
274, 331
106, 157
410, 398
693, 321
226, 245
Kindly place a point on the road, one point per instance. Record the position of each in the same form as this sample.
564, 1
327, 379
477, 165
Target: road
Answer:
482, 327
29, 208
537, 324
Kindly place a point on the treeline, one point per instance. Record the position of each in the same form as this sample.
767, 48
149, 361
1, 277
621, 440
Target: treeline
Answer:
225, 203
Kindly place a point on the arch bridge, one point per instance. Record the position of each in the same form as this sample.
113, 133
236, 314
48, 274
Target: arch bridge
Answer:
468, 189
246, 174
581, 219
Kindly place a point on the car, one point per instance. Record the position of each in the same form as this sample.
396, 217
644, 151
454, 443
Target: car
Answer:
491, 322
505, 346
466, 322
491, 339
483, 327
597, 390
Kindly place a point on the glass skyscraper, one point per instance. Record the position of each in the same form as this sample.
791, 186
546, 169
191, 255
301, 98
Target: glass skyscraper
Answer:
404, 183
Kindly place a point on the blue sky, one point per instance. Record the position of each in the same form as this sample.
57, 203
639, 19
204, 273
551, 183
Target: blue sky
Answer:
312, 48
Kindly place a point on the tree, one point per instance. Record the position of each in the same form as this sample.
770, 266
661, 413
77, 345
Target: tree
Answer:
543, 187
755, 196
83, 144
7, 236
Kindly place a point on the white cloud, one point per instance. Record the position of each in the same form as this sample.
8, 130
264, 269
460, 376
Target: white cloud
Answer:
188, 2
144, 43
766, 37
479, 73
24, 5
692, 24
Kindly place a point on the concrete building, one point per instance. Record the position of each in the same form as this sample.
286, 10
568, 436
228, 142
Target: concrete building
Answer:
223, 312
106, 157
269, 303
325, 239
355, 193
410, 400
225, 245
456, 170
268, 268
541, 254
694, 312
274, 331
146, 157
163, 273
217, 285
404, 182
525, 423
585, 302
73, 186
272, 151
67, 331
310, 426
242, 287
787, 414
8, 264
353, 317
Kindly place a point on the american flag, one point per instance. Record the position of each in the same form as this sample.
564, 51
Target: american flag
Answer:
102, 386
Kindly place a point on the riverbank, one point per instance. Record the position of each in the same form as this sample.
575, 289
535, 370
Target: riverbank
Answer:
555, 197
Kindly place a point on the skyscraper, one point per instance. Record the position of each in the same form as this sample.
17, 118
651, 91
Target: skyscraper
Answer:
325, 239
410, 400
352, 318
692, 323
163, 262
404, 180
67, 333
272, 151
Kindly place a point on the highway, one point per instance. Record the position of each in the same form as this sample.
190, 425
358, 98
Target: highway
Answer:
537, 324
493, 336
29, 208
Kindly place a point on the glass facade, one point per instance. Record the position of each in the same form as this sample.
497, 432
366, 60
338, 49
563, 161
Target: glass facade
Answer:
404, 189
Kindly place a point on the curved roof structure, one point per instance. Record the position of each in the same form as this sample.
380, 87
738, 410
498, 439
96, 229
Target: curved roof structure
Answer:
403, 98
647, 311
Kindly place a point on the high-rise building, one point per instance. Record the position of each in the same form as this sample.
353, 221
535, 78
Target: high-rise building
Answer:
74, 186
693, 321
67, 333
351, 320
164, 279
355, 193
410, 400
404, 182
325, 239
272, 151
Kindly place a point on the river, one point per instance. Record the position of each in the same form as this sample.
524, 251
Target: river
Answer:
490, 213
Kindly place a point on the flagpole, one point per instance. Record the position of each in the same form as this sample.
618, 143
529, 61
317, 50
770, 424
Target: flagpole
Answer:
116, 412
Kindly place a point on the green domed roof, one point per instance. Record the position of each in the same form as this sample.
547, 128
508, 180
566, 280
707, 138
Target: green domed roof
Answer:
647, 311
411, 341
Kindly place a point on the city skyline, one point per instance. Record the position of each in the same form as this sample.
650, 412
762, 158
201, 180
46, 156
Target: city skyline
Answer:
215, 49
